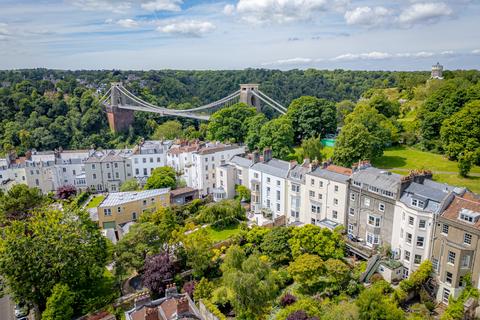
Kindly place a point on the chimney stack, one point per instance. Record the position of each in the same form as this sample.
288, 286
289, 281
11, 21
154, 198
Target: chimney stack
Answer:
151, 313
142, 300
171, 290
267, 154
256, 156
182, 306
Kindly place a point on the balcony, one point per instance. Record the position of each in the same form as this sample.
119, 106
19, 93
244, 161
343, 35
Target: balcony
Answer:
359, 247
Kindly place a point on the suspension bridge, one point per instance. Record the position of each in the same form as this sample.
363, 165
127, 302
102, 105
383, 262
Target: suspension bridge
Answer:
120, 104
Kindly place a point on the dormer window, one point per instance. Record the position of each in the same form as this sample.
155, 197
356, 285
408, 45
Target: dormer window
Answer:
418, 203
468, 216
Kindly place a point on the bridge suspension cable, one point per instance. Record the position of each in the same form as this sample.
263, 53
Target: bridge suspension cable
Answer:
282, 111
273, 101
139, 104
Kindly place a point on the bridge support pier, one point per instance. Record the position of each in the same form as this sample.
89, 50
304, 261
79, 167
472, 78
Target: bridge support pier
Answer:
246, 95
119, 119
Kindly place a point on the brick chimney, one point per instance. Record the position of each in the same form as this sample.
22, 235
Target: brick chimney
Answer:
255, 156
182, 306
151, 313
267, 154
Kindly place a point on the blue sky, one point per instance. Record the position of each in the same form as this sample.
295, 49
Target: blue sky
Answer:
237, 34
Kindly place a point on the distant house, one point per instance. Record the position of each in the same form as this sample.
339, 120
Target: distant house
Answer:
172, 306
122, 207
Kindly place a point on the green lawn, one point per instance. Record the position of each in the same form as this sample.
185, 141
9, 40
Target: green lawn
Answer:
409, 158
220, 235
472, 183
95, 202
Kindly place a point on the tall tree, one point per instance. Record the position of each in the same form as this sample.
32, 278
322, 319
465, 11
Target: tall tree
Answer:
49, 248
312, 117
356, 143
251, 281
312, 148
171, 129
254, 124
231, 123
18, 202
198, 248
162, 177
158, 271
277, 134
460, 133
59, 304
315, 240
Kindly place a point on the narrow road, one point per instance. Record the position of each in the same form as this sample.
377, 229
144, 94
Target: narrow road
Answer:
6, 309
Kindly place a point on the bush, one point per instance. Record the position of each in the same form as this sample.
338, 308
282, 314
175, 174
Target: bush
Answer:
189, 287
376, 277
214, 310
465, 163
287, 300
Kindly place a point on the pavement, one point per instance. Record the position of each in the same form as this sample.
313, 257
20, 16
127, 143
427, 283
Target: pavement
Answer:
6, 308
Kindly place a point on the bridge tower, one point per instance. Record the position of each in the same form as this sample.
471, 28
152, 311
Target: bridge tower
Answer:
246, 95
118, 119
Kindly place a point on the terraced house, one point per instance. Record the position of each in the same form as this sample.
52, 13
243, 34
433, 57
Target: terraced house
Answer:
416, 212
371, 207
106, 170
456, 246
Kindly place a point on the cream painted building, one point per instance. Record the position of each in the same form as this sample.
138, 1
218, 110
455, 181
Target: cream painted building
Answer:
325, 196
121, 207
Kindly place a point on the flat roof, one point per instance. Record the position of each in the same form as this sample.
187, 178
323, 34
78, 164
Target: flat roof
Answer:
118, 198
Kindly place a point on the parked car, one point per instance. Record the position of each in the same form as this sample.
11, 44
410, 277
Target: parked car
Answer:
21, 311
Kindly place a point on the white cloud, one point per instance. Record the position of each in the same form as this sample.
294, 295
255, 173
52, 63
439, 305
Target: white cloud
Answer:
476, 51
374, 55
162, 5
282, 11
127, 23
193, 28
424, 13
367, 16
5, 33
292, 61
229, 9
103, 5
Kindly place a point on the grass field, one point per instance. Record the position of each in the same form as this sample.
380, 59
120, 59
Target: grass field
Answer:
95, 202
220, 235
409, 158
405, 158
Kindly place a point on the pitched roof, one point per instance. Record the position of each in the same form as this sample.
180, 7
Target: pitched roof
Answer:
470, 203
241, 161
381, 179
333, 172
430, 192
274, 167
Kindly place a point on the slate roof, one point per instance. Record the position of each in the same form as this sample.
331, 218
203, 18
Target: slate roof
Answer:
332, 172
274, 167
118, 198
241, 161
381, 179
431, 192
298, 173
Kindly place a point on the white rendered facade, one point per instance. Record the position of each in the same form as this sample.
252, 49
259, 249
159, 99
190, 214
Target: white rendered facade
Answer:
325, 197
201, 173
268, 183
147, 156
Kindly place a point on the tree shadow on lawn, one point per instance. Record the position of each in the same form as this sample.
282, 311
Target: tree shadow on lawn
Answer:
389, 162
